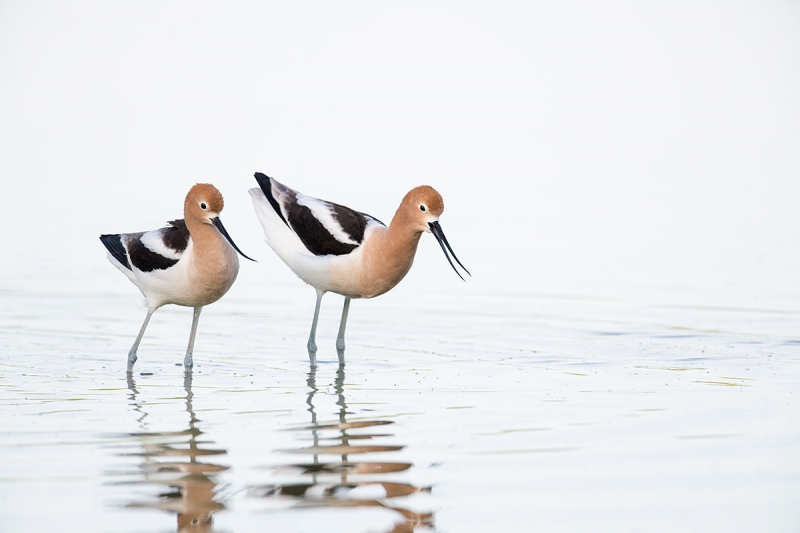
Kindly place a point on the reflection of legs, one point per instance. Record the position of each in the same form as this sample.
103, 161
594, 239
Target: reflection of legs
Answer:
312, 344
312, 390
187, 386
338, 387
132, 353
342, 325
187, 361
132, 385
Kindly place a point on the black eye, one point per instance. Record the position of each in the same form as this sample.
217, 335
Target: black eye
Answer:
422, 208
203, 205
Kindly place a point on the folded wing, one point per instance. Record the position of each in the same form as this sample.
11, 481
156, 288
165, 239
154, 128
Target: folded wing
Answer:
321, 227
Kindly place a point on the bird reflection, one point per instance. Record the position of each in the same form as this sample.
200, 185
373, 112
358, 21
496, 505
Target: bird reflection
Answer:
172, 459
345, 482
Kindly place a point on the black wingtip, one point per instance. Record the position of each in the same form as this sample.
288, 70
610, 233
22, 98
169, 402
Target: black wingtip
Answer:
265, 183
113, 243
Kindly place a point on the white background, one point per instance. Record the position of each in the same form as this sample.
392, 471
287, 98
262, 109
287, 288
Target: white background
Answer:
580, 146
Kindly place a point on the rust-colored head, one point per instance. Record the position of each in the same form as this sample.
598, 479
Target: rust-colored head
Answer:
203, 205
422, 206
203, 202
421, 209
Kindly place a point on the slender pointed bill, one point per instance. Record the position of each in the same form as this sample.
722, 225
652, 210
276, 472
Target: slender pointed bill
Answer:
218, 224
436, 229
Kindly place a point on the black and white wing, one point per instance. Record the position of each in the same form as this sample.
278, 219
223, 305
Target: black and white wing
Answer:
324, 228
150, 250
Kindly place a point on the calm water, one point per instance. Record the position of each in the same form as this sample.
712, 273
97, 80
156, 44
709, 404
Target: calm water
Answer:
459, 410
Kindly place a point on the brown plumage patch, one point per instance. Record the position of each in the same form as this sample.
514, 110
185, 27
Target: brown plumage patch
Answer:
425, 194
205, 192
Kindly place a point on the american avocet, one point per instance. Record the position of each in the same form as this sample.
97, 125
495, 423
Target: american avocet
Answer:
192, 262
336, 249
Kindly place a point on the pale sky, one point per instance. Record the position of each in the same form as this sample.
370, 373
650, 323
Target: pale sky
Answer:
584, 144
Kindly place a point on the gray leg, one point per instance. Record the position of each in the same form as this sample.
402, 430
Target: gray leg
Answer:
132, 353
312, 344
187, 361
340, 336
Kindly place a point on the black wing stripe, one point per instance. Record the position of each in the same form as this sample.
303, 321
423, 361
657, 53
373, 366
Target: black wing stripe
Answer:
176, 236
113, 244
313, 234
352, 222
143, 258
266, 187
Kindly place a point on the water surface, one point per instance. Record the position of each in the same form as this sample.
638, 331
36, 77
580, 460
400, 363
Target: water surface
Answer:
472, 410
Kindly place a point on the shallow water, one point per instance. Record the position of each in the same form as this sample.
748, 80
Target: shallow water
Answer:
458, 410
